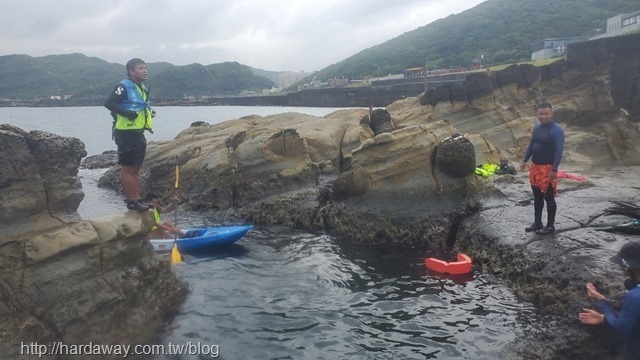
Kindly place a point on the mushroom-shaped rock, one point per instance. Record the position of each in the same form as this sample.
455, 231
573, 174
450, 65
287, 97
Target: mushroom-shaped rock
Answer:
456, 156
381, 121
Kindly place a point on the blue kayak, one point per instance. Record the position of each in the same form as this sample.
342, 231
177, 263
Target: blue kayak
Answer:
200, 239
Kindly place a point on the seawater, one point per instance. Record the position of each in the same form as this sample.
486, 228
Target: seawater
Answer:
284, 294
92, 125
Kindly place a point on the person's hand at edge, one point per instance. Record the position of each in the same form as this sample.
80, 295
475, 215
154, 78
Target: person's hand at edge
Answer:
523, 166
592, 293
131, 115
590, 317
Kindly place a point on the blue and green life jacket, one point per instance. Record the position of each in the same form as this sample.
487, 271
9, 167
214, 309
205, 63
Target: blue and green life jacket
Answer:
138, 101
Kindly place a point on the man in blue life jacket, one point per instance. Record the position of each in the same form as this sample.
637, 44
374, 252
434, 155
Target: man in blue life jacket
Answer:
627, 321
132, 115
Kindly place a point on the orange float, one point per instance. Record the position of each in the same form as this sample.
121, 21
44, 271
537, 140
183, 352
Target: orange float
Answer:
461, 266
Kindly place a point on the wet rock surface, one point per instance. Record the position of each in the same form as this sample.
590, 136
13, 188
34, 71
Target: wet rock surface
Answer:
392, 181
101, 161
67, 279
551, 271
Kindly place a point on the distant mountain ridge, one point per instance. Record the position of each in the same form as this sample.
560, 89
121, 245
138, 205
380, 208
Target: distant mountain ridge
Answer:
501, 31
83, 77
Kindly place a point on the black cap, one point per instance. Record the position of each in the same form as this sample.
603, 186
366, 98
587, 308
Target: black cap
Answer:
629, 255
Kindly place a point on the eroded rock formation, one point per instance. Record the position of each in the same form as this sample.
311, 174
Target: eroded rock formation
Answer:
63, 278
401, 183
102, 161
283, 158
38, 190
389, 162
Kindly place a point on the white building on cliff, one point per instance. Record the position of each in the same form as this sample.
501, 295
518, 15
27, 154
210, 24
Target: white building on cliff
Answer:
620, 24
552, 47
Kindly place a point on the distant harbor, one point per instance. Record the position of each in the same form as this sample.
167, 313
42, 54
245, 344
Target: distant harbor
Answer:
379, 94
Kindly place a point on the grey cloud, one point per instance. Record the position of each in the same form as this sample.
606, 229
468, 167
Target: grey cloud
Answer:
284, 35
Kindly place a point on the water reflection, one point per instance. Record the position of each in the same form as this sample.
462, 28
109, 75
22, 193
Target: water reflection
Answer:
291, 295
282, 294
219, 252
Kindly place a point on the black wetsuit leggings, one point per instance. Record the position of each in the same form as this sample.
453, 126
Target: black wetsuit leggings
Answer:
538, 204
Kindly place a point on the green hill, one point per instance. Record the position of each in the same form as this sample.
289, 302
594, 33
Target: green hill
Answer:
501, 30
229, 78
28, 77
82, 77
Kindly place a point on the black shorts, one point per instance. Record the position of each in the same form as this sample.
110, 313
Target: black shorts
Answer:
132, 146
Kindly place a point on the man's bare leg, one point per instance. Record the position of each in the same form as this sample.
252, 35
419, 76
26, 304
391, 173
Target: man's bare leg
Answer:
130, 179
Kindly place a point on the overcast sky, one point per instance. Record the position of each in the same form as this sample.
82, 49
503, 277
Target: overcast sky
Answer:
279, 35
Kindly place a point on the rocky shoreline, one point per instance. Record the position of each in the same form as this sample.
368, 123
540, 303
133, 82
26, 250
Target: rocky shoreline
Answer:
389, 178
402, 176
63, 278
552, 271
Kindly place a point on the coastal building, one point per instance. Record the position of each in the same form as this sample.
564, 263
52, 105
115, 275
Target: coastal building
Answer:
289, 78
414, 72
618, 25
59, 97
552, 47
338, 82
621, 24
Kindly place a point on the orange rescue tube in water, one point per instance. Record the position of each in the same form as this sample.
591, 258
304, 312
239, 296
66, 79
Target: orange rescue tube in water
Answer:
461, 266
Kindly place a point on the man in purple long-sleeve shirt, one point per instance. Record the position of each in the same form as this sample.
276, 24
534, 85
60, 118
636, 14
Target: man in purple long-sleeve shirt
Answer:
545, 151
627, 321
